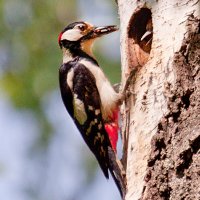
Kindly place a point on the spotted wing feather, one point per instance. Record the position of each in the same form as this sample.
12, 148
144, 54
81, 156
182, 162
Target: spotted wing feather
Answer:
91, 125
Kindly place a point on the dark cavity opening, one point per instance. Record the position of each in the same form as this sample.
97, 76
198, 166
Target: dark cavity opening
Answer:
140, 24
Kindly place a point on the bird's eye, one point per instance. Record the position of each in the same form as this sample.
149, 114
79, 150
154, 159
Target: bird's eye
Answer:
81, 27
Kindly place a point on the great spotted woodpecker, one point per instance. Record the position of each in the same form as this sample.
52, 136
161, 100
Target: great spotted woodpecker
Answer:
88, 95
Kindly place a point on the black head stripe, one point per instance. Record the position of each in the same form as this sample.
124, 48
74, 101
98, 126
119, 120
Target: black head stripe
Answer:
72, 25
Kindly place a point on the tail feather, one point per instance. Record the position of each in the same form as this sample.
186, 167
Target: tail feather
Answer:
116, 173
104, 168
117, 183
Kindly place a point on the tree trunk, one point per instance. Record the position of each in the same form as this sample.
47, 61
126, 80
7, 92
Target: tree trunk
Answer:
162, 119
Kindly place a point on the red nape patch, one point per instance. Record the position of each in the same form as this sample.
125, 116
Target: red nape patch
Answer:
59, 38
112, 130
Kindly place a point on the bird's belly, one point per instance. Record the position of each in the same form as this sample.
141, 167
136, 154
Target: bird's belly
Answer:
109, 98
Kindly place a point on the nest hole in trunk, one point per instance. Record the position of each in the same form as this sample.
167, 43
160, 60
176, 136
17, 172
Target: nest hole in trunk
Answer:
140, 36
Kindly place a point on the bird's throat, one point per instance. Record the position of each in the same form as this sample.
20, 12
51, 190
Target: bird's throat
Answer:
82, 50
86, 47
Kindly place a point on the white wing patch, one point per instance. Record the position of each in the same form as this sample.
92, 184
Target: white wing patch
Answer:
79, 110
70, 77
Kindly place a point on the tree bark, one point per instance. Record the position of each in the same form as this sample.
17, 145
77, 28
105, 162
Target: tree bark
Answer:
161, 131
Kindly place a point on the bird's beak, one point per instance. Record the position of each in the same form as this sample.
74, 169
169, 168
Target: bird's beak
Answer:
100, 31
147, 33
103, 30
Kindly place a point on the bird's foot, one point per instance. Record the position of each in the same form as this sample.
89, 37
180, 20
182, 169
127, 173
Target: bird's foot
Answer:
127, 91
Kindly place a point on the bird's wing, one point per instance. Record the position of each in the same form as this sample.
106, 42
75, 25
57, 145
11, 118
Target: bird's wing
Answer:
66, 92
87, 112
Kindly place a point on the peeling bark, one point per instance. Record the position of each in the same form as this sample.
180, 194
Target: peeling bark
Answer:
162, 119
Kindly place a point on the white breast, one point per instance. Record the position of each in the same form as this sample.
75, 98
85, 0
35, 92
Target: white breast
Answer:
109, 98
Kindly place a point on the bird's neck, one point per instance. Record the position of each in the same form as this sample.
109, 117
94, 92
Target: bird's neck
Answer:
83, 52
67, 55
87, 47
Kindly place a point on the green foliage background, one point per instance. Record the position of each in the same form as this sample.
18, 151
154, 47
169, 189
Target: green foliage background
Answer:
31, 56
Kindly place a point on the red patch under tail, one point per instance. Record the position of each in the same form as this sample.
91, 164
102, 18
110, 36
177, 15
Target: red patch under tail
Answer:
112, 130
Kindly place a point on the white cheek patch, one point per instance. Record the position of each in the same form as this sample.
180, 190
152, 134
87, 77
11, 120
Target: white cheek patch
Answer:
72, 35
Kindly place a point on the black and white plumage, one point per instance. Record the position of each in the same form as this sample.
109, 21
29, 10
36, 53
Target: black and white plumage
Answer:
87, 117
86, 92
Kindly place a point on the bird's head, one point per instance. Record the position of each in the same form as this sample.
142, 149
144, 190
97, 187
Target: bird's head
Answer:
81, 35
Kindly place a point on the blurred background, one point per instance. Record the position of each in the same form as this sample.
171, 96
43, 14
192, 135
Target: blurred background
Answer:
42, 155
